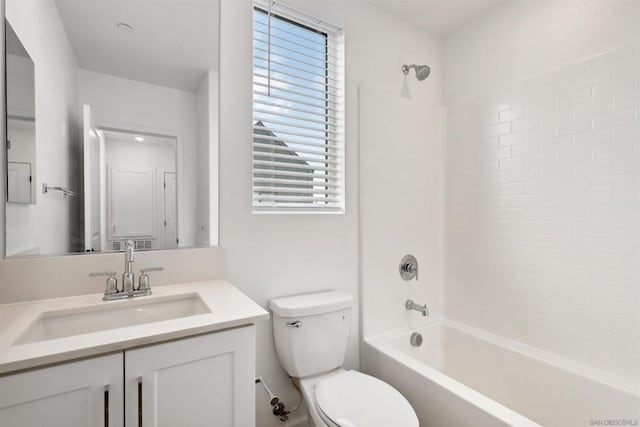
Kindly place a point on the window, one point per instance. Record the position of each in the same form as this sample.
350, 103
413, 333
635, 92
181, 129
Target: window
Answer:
298, 119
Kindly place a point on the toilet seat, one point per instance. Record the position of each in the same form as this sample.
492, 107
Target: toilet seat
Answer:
354, 399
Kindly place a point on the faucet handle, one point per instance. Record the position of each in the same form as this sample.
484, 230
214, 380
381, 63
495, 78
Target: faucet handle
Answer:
112, 282
150, 269
144, 278
102, 273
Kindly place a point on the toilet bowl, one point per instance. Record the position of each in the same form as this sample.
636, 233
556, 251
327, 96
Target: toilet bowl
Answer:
311, 333
352, 399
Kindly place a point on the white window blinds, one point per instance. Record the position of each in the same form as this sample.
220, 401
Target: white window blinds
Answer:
298, 116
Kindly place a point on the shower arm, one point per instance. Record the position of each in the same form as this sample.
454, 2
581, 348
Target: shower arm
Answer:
407, 68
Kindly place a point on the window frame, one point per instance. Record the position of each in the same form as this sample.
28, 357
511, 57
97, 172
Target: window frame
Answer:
334, 127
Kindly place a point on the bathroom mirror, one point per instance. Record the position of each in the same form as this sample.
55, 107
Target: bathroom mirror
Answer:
112, 125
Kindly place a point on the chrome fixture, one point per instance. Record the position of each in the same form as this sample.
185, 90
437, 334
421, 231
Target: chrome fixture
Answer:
422, 71
65, 191
409, 267
296, 324
143, 281
129, 290
410, 305
273, 399
112, 283
128, 280
278, 408
416, 339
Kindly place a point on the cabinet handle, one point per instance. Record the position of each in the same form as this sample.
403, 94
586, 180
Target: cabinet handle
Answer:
106, 405
139, 401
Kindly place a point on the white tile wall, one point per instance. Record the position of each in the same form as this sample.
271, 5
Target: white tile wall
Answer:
544, 211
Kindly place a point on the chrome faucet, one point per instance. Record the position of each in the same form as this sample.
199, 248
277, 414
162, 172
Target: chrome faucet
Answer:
128, 279
410, 305
129, 290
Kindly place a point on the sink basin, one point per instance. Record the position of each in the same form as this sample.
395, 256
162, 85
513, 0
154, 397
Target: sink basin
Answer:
65, 323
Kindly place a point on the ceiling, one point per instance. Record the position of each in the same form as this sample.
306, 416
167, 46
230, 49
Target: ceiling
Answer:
439, 17
173, 42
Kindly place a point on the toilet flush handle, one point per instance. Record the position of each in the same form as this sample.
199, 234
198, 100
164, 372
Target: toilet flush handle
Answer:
295, 324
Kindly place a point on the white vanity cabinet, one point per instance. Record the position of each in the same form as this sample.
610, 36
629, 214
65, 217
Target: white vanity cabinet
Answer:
203, 380
87, 393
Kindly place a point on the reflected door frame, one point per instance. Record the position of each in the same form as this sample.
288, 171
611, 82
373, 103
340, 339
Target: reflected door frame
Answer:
166, 133
170, 242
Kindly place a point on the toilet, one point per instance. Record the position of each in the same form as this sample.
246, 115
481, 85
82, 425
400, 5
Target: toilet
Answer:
311, 333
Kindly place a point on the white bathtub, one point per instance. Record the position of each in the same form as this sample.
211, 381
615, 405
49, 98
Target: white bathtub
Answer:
463, 376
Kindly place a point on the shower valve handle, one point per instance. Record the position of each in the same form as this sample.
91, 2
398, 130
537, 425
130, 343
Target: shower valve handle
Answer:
409, 267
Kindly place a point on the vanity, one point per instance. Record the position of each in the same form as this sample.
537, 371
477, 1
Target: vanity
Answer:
184, 355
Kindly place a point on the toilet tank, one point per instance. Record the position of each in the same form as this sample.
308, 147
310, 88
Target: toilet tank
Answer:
311, 331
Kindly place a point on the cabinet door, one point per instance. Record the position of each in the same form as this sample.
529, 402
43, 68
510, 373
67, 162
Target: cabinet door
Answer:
87, 393
207, 380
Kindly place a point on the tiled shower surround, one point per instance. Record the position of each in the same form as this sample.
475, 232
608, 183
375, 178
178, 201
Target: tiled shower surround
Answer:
543, 211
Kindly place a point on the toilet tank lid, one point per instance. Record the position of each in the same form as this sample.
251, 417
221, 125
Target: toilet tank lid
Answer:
311, 304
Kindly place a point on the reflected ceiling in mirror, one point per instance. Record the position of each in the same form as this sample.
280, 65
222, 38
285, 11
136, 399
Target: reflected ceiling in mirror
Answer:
112, 131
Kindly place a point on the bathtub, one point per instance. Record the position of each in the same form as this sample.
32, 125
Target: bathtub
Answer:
462, 376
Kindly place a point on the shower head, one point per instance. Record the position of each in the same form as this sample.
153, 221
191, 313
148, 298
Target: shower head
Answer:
422, 71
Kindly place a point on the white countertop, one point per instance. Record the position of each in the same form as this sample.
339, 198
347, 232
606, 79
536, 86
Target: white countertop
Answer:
229, 308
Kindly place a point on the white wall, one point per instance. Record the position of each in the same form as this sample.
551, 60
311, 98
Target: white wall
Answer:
21, 96
132, 105
275, 255
543, 191
37, 24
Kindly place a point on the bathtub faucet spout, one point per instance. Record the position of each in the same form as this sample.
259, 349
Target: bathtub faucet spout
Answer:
410, 305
